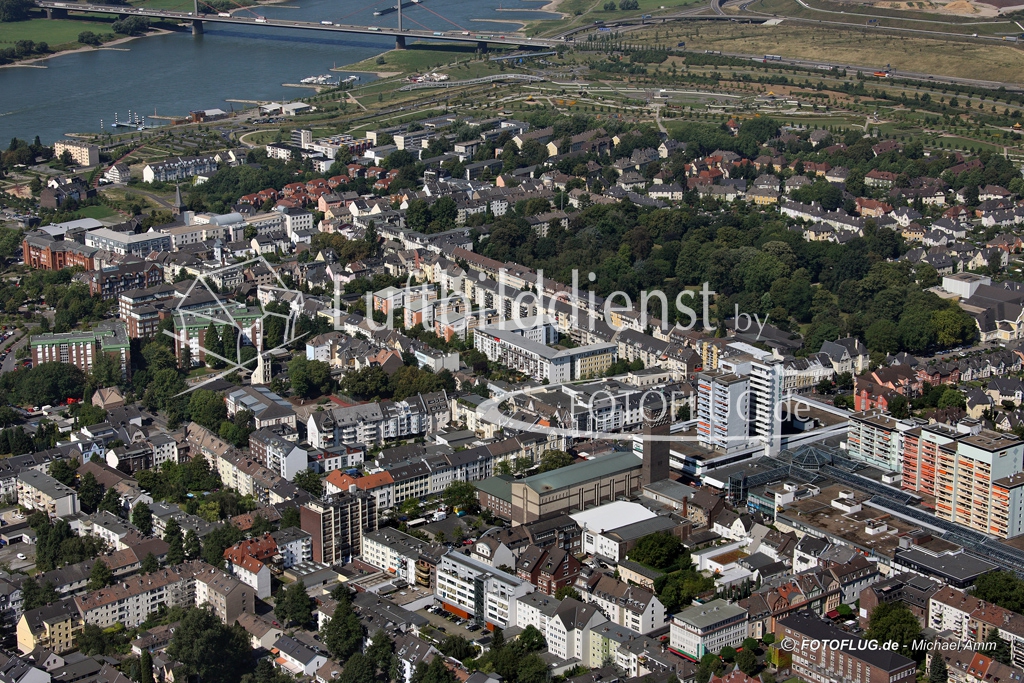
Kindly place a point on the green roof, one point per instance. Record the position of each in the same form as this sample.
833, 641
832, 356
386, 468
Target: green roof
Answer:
564, 477
499, 486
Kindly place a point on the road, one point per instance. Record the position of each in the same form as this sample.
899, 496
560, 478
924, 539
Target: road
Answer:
255, 20
11, 362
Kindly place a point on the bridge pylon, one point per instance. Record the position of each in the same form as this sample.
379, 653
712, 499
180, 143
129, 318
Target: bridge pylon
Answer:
399, 42
197, 27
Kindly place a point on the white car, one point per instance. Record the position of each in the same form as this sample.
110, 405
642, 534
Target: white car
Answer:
21, 556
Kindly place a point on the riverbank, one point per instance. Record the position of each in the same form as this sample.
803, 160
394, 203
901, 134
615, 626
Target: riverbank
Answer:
34, 61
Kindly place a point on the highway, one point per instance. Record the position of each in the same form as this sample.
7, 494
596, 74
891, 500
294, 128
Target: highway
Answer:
259, 21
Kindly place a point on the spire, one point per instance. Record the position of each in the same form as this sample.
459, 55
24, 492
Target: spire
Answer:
179, 205
260, 374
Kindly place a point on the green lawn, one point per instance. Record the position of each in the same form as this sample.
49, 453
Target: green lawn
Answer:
418, 57
98, 212
52, 31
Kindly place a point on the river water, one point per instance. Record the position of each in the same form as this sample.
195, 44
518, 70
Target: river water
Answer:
177, 73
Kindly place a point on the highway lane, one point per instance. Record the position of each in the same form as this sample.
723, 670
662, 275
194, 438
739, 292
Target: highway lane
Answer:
256, 20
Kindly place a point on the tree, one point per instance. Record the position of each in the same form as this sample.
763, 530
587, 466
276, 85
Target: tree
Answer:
175, 541
710, 665
90, 493
142, 518
531, 640
937, 672
727, 653
460, 494
1000, 648
100, 575
111, 502
150, 564
290, 518
746, 661
294, 605
435, 672
64, 471
553, 460
567, 592
894, 622
310, 481
343, 634
207, 408
208, 648
358, 669
899, 407
193, 546
497, 639
145, 667
457, 647
309, 378
382, 653
659, 551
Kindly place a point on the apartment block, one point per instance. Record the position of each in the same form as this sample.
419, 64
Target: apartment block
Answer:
278, 454
41, 492
852, 661
395, 552
131, 600
723, 410
543, 362
82, 153
82, 348
337, 524
54, 627
977, 477
124, 243
876, 438
700, 629
474, 590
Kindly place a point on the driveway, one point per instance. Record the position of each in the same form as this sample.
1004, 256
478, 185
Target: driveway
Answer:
9, 556
11, 362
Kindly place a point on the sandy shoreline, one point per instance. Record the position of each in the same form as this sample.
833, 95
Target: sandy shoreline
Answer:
85, 48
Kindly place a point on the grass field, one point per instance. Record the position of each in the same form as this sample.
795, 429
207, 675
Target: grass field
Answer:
858, 46
856, 14
98, 212
55, 32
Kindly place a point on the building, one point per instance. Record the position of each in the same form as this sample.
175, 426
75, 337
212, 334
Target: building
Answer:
53, 627
977, 478
82, 153
723, 410
41, 492
542, 362
876, 438
224, 595
392, 551
337, 524
700, 629
112, 281
83, 348
296, 658
41, 250
131, 600
179, 168
190, 329
294, 545
576, 487
123, 243
547, 568
277, 454
633, 607
249, 561
474, 590
848, 658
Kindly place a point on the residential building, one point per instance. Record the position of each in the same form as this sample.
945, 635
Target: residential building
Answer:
277, 453
395, 552
41, 492
294, 545
543, 362
82, 153
83, 348
337, 524
474, 590
140, 245
849, 659
633, 607
179, 168
53, 627
723, 410
700, 629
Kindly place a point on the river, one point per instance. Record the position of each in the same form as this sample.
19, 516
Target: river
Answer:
176, 73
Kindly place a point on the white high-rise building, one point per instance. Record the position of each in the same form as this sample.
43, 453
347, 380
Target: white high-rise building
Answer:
723, 410
767, 393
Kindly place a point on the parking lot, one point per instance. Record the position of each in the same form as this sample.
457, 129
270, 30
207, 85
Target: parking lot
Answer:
451, 627
9, 556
